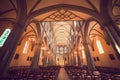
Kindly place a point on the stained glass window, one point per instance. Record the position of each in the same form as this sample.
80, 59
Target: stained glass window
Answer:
4, 36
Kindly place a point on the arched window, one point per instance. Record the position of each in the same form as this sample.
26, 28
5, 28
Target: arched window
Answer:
118, 48
4, 36
99, 46
83, 53
61, 50
119, 26
26, 47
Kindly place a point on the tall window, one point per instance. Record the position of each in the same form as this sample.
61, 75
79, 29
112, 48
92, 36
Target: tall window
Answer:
65, 49
61, 50
4, 36
118, 48
83, 54
99, 46
119, 26
57, 49
26, 47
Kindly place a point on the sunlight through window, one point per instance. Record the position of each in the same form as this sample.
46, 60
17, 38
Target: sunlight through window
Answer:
118, 48
83, 54
4, 36
26, 47
99, 46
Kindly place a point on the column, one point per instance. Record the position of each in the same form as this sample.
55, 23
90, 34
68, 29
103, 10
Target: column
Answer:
45, 60
109, 25
73, 60
8, 49
35, 61
79, 60
51, 61
114, 34
54, 59
51, 58
70, 60
76, 59
90, 62
114, 37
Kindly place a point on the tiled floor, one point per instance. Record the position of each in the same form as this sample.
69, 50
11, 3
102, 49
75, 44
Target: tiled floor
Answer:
63, 75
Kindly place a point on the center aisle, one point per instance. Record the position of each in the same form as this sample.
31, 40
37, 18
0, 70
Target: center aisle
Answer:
62, 75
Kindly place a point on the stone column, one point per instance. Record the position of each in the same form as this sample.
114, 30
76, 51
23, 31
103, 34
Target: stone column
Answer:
35, 61
79, 60
90, 62
113, 36
54, 59
113, 32
109, 23
45, 60
51, 60
9, 47
74, 59
68, 59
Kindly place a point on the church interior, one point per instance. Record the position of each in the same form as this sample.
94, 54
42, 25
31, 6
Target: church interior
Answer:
60, 40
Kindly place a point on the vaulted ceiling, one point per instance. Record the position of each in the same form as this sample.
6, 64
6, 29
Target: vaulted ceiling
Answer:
77, 8
61, 14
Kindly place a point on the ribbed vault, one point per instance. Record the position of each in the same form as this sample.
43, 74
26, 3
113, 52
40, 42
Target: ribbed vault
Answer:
61, 19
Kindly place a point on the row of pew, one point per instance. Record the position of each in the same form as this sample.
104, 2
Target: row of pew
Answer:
108, 70
51, 73
82, 73
28, 73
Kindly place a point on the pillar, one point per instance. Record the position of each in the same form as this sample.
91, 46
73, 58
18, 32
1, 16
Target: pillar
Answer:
113, 32
114, 37
35, 60
90, 62
54, 59
51, 58
70, 59
9, 47
45, 60
73, 59
79, 60
109, 25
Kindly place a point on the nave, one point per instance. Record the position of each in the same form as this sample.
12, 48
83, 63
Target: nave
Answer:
59, 39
